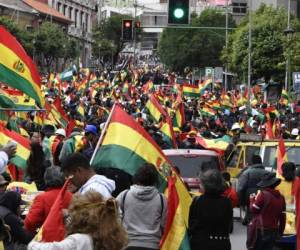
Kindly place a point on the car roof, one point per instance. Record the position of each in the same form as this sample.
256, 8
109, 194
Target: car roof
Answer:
190, 151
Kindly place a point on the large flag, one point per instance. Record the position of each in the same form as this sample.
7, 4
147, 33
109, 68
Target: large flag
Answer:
17, 68
127, 146
15, 101
219, 145
281, 156
53, 228
23, 146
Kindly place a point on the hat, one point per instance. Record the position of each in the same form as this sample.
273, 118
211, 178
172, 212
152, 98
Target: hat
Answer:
295, 131
3, 181
235, 126
269, 180
91, 129
60, 131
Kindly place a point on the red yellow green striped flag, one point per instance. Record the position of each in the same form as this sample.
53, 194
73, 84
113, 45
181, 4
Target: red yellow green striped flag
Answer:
127, 146
179, 117
22, 101
281, 156
204, 85
166, 128
155, 109
23, 146
208, 111
17, 68
219, 145
191, 91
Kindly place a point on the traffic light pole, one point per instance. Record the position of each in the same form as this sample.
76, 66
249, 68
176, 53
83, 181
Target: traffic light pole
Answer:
186, 27
134, 33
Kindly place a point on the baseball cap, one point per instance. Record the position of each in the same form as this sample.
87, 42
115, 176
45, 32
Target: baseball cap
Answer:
91, 129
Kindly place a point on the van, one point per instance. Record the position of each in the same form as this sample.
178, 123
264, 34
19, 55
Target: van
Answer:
190, 162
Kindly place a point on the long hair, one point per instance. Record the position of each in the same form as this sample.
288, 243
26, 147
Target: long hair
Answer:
35, 162
92, 215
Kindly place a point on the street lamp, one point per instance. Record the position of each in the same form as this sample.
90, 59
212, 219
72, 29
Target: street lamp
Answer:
288, 32
249, 50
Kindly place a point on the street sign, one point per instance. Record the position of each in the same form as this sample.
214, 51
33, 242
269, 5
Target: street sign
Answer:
218, 74
296, 81
209, 71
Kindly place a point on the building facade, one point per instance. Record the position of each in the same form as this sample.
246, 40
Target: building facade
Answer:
80, 12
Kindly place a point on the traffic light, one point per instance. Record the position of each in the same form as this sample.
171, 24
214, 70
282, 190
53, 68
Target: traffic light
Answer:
127, 30
179, 12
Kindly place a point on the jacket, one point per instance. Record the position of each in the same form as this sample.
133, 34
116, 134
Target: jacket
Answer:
210, 219
273, 205
247, 182
100, 184
70, 146
41, 206
143, 213
72, 242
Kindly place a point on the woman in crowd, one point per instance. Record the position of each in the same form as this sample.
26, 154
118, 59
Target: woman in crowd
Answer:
143, 210
210, 214
93, 225
36, 166
10, 212
268, 208
40, 208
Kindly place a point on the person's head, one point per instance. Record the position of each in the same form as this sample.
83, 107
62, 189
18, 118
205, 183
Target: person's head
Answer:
146, 175
91, 214
36, 138
77, 167
288, 171
91, 133
256, 159
60, 133
211, 182
12, 201
53, 177
269, 180
35, 160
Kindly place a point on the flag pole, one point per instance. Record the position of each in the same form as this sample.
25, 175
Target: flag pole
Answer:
102, 134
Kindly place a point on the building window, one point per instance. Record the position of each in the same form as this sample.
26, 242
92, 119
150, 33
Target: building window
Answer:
76, 17
86, 22
65, 10
53, 4
239, 8
70, 13
58, 7
81, 18
155, 20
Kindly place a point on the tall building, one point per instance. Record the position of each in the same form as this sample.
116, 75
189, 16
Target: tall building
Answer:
80, 12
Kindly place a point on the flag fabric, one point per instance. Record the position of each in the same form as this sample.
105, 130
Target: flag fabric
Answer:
281, 156
53, 228
168, 133
128, 146
179, 201
204, 85
8, 100
191, 91
269, 130
207, 111
179, 117
67, 75
17, 68
155, 109
23, 146
219, 145
284, 97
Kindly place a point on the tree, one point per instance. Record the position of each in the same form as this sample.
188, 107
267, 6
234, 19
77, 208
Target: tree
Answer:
180, 48
269, 45
51, 42
23, 36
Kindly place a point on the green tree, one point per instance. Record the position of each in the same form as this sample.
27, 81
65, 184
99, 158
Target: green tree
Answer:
51, 42
180, 48
23, 36
269, 45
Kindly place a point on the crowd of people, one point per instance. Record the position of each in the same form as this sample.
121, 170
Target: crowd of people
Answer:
111, 210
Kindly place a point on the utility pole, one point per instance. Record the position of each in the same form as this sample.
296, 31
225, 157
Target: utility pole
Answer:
289, 31
134, 32
226, 44
249, 50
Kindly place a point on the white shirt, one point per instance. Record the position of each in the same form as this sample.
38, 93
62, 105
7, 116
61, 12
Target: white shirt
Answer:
3, 161
72, 242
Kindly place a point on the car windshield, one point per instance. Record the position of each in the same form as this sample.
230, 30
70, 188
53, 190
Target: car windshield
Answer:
191, 165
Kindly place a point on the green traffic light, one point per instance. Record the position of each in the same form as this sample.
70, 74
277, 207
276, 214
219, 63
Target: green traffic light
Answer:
178, 13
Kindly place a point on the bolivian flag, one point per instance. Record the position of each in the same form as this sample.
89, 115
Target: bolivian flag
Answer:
208, 111
155, 109
128, 146
16, 67
219, 145
179, 117
191, 91
23, 146
166, 128
204, 85
15, 101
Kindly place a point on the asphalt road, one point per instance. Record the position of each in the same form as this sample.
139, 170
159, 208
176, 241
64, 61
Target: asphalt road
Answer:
239, 235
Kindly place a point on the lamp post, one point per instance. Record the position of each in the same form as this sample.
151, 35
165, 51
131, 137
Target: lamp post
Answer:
249, 50
226, 44
288, 32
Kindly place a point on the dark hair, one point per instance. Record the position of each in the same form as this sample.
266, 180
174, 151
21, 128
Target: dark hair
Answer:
74, 161
288, 171
146, 175
36, 162
212, 182
226, 176
256, 159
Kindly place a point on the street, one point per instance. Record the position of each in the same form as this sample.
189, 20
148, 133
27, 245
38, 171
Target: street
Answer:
239, 235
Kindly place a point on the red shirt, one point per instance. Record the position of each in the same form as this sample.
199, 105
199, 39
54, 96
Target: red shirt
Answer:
231, 194
271, 205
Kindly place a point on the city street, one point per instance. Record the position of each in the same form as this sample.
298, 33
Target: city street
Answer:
239, 235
